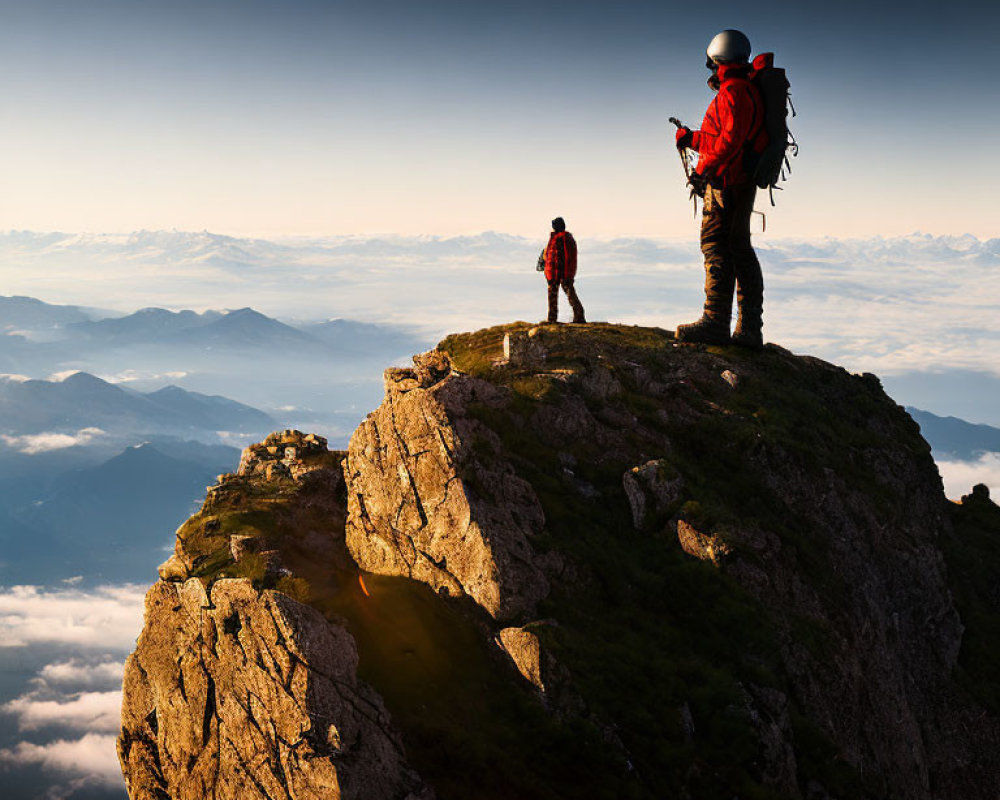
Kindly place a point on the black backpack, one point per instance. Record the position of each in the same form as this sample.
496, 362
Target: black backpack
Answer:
772, 163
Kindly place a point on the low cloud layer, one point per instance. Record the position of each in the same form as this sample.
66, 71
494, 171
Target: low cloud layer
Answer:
104, 619
35, 443
897, 304
960, 476
90, 759
66, 716
77, 672
87, 711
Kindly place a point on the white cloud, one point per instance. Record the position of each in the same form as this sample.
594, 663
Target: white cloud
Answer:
92, 757
34, 443
81, 674
960, 476
236, 439
13, 378
133, 375
885, 305
98, 712
105, 619
63, 699
79, 693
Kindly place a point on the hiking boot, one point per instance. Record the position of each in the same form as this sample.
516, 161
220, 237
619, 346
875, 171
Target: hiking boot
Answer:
580, 321
748, 334
750, 339
704, 331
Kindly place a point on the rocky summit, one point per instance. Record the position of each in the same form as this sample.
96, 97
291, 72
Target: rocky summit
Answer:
580, 561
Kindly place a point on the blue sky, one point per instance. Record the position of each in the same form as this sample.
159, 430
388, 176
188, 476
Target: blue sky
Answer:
268, 118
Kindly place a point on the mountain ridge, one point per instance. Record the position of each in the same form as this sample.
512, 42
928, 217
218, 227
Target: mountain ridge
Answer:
69, 329
579, 561
952, 437
105, 521
82, 400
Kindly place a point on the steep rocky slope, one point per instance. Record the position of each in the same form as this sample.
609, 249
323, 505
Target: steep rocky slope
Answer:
580, 561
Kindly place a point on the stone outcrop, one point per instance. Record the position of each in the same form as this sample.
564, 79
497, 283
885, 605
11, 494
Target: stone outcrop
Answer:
522, 348
525, 650
652, 490
700, 545
290, 472
252, 696
431, 498
751, 581
282, 453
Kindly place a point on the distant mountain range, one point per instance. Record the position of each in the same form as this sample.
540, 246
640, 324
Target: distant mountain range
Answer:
31, 328
83, 401
110, 521
241, 329
145, 324
953, 438
94, 476
316, 373
27, 312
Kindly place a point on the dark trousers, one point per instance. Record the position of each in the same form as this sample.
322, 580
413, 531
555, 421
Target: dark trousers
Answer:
574, 301
730, 260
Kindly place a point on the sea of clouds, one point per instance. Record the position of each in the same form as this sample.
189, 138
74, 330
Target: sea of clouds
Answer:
960, 476
918, 310
901, 307
68, 643
884, 305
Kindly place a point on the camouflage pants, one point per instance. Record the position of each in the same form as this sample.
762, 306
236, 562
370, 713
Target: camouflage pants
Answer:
730, 260
574, 301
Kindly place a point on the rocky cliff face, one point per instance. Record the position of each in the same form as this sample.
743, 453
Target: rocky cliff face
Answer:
235, 691
411, 511
257, 696
580, 561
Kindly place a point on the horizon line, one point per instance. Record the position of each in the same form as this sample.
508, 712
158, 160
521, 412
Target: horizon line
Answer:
469, 235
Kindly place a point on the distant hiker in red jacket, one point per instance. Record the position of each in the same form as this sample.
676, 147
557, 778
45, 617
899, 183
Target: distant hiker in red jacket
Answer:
560, 270
731, 133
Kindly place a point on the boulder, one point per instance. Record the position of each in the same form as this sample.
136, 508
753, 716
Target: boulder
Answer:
652, 490
525, 651
700, 545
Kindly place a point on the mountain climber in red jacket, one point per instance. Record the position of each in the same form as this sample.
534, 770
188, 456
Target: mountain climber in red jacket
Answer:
560, 270
730, 135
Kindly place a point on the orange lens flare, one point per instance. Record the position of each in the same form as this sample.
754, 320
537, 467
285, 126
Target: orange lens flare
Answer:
364, 588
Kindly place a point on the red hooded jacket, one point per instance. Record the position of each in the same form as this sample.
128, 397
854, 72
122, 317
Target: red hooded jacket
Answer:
733, 122
560, 256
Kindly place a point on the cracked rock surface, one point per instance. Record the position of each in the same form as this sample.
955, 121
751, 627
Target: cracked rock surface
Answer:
655, 570
251, 695
424, 503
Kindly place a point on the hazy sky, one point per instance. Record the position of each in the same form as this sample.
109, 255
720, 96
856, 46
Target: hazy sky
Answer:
264, 118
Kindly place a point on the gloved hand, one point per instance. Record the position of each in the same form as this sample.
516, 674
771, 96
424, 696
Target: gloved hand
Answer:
684, 138
697, 183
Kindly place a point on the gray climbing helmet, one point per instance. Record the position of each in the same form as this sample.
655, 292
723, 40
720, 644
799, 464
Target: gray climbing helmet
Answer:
729, 47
